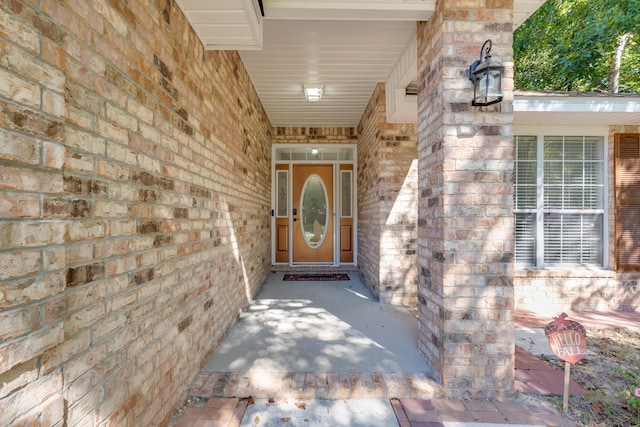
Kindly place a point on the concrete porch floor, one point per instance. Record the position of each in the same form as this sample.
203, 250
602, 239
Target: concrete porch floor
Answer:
319, 326
328, 353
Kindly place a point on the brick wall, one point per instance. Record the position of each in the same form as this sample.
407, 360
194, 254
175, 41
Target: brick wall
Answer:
387, 204
465, 236
557, 290
306, 135
369, 155
134, 201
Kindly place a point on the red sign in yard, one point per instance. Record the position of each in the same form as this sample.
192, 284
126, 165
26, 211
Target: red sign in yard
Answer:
568, 339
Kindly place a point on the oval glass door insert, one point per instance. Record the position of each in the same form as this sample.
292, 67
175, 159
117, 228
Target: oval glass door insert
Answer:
314, 211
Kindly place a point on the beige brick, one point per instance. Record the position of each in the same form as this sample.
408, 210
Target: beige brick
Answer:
16, 323
29, 290
121, 118
44, 390
78, 116
15, 178
19, 206
53, 103
19, 148
88, 102
111, 248
21, 34
79, 253
26, 348
121, 228
54, 258
121, 301
112, 170
112, 132
121, 153
83, 412
84, 230
84, 318
85, 141
70, 347
109, 325
78, 162
140, 111
18, 264
105, 209
19, 377
53, 412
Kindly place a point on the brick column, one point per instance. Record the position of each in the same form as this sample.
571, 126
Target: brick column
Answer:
466, 203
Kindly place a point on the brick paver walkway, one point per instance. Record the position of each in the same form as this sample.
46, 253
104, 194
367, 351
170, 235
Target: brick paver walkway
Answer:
435, 412
217, 412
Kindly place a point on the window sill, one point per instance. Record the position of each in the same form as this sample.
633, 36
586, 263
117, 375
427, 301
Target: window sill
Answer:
558, 272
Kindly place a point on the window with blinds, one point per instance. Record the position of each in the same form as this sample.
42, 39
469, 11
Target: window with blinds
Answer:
627, 176
559, 200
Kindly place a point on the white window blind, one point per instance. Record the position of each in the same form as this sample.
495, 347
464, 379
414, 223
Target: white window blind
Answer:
525, 199
559, 200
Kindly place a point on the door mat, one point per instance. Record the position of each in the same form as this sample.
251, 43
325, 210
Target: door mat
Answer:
317, 277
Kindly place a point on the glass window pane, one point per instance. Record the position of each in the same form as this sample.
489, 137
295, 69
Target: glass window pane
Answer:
573, 239
573, 148
553, 172
314, 211
593, 148
525, 239
525, 197
526, 148
345, 185
553, 148
553, 197
282, 185
525, 172
345, 154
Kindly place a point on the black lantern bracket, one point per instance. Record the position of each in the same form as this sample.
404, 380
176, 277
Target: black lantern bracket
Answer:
486, 77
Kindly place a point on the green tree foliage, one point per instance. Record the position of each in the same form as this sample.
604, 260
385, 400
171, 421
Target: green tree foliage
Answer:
569, 45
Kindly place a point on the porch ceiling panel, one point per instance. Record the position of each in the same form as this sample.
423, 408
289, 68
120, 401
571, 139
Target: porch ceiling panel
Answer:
348, 46
346, 57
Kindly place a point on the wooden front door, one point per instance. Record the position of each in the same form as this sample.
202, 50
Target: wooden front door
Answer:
312, 212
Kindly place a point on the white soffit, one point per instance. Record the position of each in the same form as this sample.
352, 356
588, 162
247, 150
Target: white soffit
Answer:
354, 10
403, 107
347, 45
576, 109
225, 24
523, 9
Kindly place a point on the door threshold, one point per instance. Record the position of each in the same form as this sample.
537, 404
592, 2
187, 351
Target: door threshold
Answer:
285, 268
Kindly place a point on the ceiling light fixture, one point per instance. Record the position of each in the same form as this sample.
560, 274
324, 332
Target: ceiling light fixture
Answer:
313, 93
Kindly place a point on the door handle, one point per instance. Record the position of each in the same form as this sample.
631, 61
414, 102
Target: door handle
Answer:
295, 211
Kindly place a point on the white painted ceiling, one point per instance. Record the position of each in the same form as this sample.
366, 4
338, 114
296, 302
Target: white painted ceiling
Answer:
348, 46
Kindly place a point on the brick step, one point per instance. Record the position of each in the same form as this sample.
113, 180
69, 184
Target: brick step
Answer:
315, 385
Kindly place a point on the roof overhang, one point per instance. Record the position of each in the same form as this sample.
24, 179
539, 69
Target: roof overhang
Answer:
237, 24
571, 108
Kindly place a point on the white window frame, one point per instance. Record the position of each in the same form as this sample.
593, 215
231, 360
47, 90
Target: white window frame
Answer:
540, 132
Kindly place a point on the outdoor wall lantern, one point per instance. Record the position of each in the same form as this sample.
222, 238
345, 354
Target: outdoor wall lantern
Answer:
487, 78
